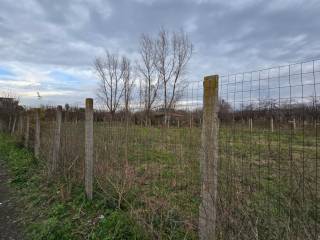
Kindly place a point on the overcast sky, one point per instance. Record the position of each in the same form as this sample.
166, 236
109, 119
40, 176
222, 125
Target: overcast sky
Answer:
49, 46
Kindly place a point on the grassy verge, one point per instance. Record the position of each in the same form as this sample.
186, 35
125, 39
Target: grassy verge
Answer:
46, 214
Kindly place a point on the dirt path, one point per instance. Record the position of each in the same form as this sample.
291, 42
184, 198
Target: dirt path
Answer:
9, 229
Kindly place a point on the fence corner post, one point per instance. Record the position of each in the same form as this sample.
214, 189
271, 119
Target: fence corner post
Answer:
37, 133
56, 141
89, 147
209, 159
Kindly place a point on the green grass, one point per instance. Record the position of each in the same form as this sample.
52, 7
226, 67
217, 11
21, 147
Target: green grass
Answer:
268, 184
47, 216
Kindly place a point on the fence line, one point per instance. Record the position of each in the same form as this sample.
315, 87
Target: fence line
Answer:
165, 168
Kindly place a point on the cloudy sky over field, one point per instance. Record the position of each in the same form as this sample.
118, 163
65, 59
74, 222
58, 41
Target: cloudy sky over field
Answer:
49, 46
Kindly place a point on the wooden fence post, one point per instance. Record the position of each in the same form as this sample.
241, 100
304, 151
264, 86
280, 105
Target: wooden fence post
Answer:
89, 148
56, 141
37, 133
26, 136
209, 159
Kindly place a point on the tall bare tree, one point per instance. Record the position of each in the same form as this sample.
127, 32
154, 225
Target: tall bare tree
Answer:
147, 70
127, 81
114, 81
172, 54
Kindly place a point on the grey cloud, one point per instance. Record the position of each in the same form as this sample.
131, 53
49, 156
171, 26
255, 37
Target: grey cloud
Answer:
228, 35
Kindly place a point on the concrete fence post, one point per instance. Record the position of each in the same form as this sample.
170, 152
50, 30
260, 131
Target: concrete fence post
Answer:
37, 133
89, 148
56, 141
293, 125
271, 124
9, 124
21, 124
209, 159
26, 136
250, 124
14, 125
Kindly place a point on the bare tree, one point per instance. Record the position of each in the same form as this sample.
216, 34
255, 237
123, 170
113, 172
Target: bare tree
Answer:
128, 87
147, 70
110, 72
127, 81
172, 54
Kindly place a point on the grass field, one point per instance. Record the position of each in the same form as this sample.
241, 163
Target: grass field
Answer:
268, 182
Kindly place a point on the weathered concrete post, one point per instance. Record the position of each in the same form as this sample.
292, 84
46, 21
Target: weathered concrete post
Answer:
20, 124
1, 126
9, 124
56, 141
26, 136
89, 148
37, 133
250, 124
209, 159
271, 124
14, 125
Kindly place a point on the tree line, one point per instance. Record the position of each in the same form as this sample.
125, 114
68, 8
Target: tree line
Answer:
160, 73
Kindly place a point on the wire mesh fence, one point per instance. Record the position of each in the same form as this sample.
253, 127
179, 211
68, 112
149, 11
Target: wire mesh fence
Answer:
269, 170
148, 163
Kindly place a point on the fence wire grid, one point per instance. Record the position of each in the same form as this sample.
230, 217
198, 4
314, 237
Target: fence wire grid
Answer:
268, 167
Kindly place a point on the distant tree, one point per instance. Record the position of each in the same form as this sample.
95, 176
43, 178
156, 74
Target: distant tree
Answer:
225, 110
67, 107
127, 81
147, 72
115, 82
9, 110
172, 54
